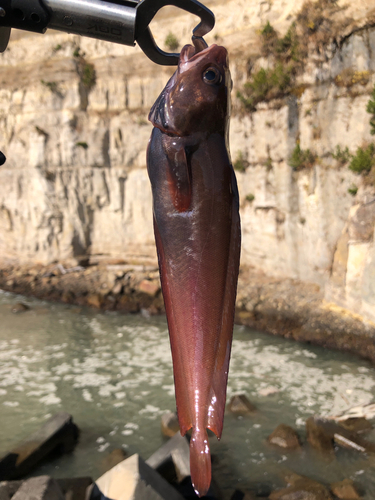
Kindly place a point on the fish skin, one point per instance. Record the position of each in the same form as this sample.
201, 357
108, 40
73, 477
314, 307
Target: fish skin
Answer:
197, 234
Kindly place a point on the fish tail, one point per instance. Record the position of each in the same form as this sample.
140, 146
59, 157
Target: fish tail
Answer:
200, 461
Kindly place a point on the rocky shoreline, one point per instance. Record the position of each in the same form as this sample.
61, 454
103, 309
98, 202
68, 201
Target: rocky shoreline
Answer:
286, 307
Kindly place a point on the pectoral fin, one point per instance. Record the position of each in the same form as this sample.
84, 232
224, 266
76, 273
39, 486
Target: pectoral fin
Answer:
178, 175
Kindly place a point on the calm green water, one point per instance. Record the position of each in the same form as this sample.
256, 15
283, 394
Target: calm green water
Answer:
113, 373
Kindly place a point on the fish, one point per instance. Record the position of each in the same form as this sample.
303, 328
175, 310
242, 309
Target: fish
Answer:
198, 239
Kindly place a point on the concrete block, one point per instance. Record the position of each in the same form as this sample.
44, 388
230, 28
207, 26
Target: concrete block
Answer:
39, 488
177, 449
133, 479
59, 432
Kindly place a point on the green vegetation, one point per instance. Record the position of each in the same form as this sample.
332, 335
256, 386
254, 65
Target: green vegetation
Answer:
353, 190
289, 47
278, 81
57, 47
313, 25
240, 163
52, 86
301, 159
342, 155
250, 197
349, 77
88, 75
363, 160
266, 84
83, 145
171, 42
77, 52
370, 108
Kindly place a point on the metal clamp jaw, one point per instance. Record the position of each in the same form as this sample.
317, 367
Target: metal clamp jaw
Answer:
118, 21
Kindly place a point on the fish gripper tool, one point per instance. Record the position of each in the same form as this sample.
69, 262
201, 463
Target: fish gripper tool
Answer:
118, 21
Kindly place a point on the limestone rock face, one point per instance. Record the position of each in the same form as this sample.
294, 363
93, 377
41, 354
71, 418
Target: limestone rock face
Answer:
75, 181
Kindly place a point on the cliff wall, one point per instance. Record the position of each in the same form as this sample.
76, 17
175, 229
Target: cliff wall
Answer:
73, 125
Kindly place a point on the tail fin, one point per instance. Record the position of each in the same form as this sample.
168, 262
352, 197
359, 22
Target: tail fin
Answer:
200, 461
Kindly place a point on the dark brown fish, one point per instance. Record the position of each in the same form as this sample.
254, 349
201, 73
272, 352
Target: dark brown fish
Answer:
197, 233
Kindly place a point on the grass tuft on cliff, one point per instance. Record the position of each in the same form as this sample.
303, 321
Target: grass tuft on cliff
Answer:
301, 158
363, 160
314, 27
370, 108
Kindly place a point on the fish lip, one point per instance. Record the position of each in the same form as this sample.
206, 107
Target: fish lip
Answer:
184, 64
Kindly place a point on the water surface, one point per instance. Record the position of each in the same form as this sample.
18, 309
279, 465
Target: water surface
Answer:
113, 373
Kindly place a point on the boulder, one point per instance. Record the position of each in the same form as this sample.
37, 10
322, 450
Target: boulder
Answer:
59, 433
115, 457
318, 437
95, 300
284, 437
241, 495
346, 490
321, 433
71, 488
169, 424
176, 450
74, 488
358, 425
301, 488
19, 307
240, 405
133, 479
149, 287
39, 488
8, 489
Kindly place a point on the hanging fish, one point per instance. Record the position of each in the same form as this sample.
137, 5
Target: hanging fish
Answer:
197, 233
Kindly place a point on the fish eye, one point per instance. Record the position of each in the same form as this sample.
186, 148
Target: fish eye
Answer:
212, 76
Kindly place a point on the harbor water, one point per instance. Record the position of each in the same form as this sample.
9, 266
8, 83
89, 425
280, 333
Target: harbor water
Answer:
113, 373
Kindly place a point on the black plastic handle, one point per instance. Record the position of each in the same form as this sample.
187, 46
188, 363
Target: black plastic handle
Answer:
29, 15
146, 10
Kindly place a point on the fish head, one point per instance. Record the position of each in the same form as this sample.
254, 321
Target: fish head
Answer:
197, 96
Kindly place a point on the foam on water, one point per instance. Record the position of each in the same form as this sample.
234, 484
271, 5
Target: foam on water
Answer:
113, 373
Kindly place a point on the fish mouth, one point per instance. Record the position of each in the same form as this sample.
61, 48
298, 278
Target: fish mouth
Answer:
192, 54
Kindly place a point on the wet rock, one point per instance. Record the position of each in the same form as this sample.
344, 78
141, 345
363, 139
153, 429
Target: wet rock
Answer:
8, 489
321, 433
74, 488
149, 287
95, 300
127, 304
268, 391
240, 405
115, 457
318, 437
345, 489
169, 424
118, 288
301, 488
39, 488
285, 437
174, 452
133, 479
240, 495
58, 434
20, 307
67, 297
358, 425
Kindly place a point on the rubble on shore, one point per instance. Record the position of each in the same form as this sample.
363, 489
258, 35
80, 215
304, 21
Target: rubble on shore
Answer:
283, 307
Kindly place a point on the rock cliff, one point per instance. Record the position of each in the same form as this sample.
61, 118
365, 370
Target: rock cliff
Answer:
73, 125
